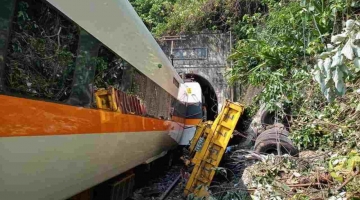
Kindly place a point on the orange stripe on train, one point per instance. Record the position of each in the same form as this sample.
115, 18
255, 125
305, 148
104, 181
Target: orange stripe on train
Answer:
25, 117
192, 121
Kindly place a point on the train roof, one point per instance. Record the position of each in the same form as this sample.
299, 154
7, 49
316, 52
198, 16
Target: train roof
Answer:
116, 24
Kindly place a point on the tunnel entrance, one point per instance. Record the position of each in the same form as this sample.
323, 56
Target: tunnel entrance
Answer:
209, 95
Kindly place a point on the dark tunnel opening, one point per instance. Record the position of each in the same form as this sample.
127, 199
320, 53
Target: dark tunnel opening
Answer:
210, 99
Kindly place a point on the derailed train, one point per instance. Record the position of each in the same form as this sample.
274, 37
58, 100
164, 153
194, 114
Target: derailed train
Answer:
58, 135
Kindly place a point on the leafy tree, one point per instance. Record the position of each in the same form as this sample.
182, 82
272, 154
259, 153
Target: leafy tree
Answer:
178, 16
154, 13
200, 15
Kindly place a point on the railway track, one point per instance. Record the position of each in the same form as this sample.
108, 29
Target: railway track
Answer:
163, 183
170, 188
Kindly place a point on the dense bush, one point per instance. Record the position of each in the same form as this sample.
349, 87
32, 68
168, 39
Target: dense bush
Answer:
165, 17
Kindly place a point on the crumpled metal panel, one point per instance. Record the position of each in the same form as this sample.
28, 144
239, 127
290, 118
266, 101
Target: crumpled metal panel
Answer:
116, 100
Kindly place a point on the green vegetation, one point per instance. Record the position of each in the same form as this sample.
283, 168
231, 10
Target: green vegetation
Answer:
281, 51
164, 17
154, 13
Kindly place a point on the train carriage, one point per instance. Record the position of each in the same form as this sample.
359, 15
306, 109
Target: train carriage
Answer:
86, 94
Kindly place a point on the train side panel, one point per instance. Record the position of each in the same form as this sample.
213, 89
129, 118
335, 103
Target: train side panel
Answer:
54, 141
42, 158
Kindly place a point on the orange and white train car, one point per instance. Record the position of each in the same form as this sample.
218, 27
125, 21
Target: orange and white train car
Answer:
58, 139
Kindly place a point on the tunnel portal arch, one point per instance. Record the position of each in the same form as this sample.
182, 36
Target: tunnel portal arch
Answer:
210, 100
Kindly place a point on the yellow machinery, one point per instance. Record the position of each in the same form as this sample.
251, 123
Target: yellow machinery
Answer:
208, 145
118, 101
106, 99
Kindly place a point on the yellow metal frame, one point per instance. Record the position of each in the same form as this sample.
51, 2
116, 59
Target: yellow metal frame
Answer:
199, 133
105, 99
217, 138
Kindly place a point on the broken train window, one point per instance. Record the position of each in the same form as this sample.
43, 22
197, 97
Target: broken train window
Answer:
41, 54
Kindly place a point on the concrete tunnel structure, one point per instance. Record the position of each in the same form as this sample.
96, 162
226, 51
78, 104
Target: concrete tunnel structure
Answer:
202, 57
